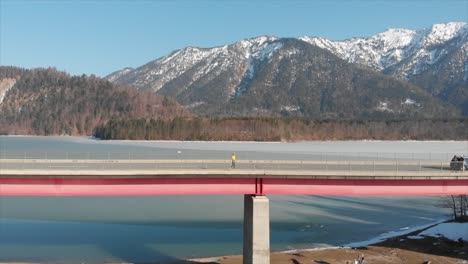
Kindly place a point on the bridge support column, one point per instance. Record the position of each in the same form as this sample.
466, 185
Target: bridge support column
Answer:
256, 230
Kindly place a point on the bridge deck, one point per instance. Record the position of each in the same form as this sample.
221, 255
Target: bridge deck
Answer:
181, 177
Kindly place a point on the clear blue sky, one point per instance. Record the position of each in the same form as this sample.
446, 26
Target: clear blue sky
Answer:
99, 37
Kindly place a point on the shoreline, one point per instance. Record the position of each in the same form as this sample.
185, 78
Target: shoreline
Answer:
406, 246
357, 244
92, 138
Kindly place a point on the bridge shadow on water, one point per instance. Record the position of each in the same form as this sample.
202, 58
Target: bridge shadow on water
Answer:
338, 221
375, 214
358, 209
73, 242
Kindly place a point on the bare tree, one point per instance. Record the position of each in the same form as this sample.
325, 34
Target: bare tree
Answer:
458, 205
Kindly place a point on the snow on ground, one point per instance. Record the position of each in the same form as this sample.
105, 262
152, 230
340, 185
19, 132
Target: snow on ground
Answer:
383, 106
388, 235
452, 231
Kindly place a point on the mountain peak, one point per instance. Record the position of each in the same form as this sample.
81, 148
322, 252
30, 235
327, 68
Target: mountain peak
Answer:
439, 33
255, 42
259, 40
395, 38
449, 26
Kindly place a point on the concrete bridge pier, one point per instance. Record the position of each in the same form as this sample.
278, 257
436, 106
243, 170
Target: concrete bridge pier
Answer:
256, 230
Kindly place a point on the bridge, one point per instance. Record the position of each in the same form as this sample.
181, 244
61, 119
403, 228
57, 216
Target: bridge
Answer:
252, 178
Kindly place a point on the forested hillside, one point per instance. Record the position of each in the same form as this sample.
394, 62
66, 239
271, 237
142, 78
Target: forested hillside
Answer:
50, 102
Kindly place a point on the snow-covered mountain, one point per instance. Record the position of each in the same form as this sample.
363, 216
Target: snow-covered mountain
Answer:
196, 63
435, 58
216, 80
416, 49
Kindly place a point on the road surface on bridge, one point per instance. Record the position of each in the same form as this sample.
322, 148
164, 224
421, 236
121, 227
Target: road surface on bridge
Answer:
223, 167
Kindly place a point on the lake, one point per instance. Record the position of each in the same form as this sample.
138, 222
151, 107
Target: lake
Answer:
143, 229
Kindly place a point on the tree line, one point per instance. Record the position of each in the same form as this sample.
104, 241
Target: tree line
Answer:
281, 129
458, 205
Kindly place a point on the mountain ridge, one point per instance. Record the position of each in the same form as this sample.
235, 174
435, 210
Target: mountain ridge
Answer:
393, 45
202, 77
434, 58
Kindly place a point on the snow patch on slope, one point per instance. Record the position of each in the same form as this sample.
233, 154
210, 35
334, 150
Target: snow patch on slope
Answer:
410, 101
118, 74
264, 50
383, 107
5, 85
260, 53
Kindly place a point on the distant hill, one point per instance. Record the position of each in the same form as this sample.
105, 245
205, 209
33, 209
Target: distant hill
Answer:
50, 102
377, 77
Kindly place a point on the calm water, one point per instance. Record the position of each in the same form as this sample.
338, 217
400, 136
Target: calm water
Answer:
142, 229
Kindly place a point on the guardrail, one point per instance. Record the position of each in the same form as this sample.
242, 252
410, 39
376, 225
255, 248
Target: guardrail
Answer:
140, 165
